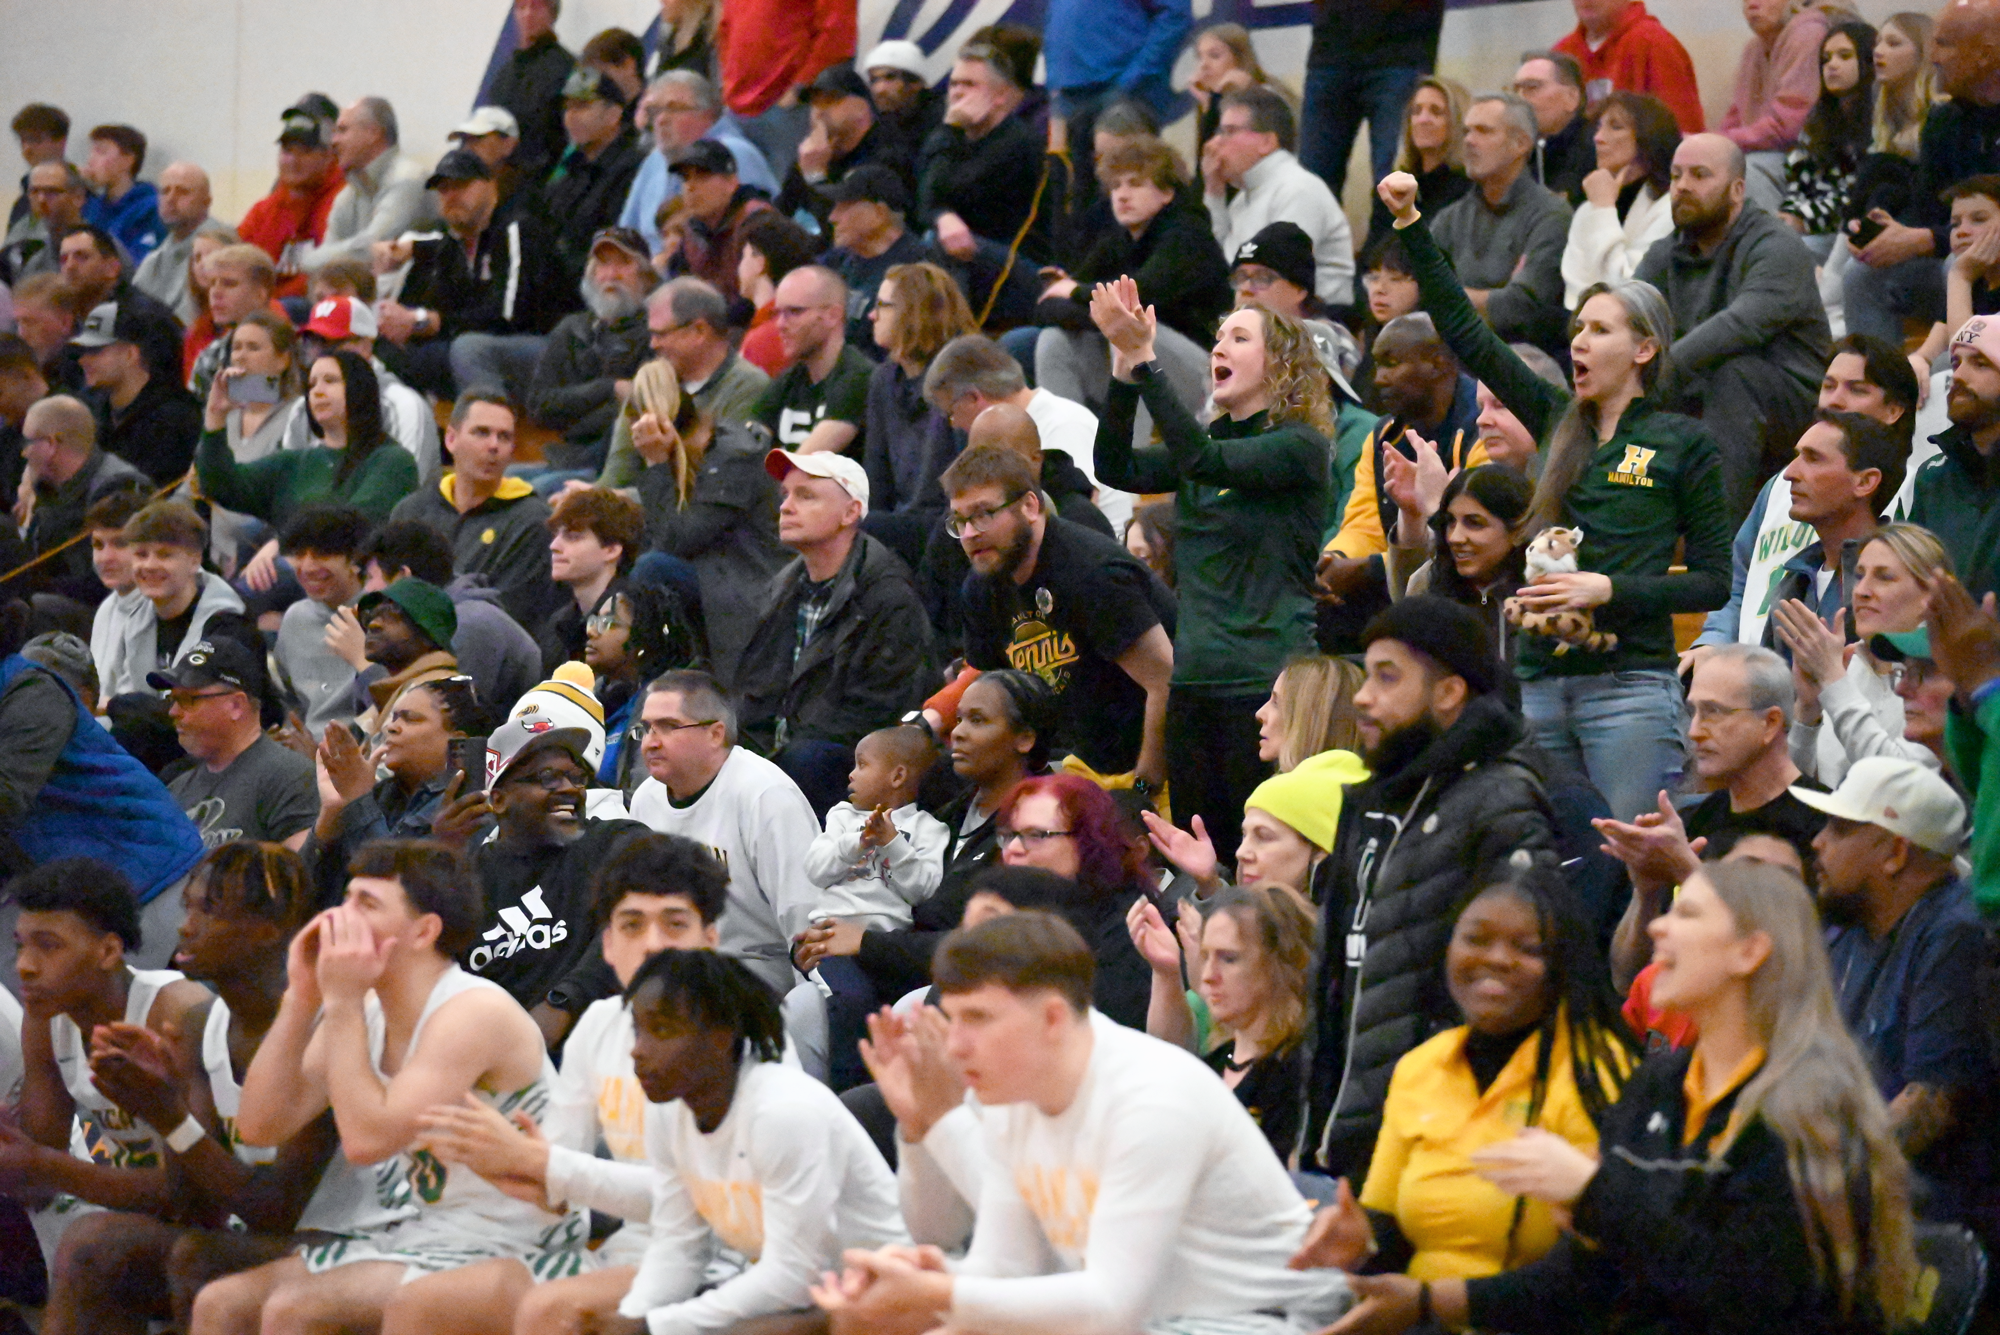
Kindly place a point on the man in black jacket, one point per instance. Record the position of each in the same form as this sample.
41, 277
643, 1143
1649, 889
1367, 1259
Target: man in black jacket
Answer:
145, 418
1552, 83
481, 296
843, 647
844, 136
530, 85
1451, 808
587, 187
979, 175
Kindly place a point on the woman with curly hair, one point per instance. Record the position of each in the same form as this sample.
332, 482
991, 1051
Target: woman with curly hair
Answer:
917, 310
1251, 495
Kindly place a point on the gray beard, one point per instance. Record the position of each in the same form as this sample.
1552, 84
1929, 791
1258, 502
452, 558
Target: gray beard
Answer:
608, 304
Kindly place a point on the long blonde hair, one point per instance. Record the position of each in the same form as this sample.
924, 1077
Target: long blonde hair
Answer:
1902, 108
1573, 439
1293, 375
1318, 712
1456, 101
657, 390
1237, 38
1816, 1094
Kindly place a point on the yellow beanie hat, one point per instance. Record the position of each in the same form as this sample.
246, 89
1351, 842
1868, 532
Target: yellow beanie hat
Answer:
1308, 798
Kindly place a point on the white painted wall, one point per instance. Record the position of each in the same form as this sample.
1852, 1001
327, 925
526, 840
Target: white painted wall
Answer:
206, 79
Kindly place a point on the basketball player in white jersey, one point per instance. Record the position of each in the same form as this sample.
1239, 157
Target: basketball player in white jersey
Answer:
236, 1206
75, 1147
379, 1024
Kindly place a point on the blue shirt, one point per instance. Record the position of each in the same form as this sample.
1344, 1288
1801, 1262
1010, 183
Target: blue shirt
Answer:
1121, 42
655, 185
1909, 1001
134, 219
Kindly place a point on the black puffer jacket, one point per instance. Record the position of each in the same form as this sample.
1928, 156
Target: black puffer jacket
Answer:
867, 665
1415, 842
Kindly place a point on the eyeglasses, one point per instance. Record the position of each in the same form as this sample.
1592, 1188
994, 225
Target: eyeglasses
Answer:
1252, 280
552, 779
1031, 838
663, 725
958, 525
1914, 672
1710, 712
601, 623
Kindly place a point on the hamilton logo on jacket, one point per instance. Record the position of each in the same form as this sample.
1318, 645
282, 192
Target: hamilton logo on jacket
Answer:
1631, 470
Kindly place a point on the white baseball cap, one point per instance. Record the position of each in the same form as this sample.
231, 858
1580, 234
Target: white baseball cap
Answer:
488, 120
905, 56
839, 467
1902, 797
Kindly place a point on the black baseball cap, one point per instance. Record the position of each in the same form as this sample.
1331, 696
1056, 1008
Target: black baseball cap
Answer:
219, 662
625, 239
870, 181
460, 164
705, 155
108, 323
838, 81
308, 124
588, 85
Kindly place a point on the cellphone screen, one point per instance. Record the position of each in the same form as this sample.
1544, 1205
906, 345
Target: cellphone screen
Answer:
469, 754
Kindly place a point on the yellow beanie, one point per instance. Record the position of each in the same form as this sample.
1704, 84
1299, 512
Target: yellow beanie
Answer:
1308, 798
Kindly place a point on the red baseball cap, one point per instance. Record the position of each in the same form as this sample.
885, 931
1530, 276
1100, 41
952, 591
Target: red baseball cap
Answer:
338, 319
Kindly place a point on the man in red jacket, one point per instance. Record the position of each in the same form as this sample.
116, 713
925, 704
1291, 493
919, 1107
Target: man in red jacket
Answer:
1621, 46
308, 179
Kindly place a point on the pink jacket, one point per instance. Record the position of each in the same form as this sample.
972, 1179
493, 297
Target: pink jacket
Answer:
1776, 85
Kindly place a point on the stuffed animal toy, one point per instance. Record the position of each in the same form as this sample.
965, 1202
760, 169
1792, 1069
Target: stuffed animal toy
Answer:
1553, 552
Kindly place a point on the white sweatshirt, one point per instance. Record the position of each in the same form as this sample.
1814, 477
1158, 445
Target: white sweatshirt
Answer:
596, 1094
1152, 1197
789, 1179
755, 819
880, 885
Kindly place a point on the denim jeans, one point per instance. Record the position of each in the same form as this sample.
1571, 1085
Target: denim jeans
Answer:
1623, 729
1876, 300
1338, 99
502, 361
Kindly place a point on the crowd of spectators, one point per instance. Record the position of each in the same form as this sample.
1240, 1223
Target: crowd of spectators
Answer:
769, 697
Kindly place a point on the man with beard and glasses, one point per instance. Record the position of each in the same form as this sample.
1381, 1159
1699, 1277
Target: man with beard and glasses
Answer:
1451, 807
1906, 945
1750, 336
1956, 495
586, 370
536, 939
1069, 605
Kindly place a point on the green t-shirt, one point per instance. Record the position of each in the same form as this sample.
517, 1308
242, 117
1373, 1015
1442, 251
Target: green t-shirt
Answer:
794, 405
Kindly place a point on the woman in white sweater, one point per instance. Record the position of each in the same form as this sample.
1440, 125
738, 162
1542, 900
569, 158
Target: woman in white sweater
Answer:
1625, 208
1847, 704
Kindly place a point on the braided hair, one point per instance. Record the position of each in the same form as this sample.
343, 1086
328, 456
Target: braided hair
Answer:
713, 991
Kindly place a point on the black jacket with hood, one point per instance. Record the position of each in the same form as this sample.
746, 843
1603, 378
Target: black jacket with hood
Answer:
1438, 822
867, 664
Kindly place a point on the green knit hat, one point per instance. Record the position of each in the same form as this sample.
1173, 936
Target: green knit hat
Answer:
428, 607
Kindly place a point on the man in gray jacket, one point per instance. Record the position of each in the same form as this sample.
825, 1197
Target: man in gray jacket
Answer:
1750, 335
1506, 235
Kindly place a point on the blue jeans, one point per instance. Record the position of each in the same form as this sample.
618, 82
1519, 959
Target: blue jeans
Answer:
1876, 300
1340, 97
496, 361
1020, 345
1623, 729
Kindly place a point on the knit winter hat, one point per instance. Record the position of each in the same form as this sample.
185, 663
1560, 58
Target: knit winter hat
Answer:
1284, 249
1448, 633
1308, 797
561, 711
428, 607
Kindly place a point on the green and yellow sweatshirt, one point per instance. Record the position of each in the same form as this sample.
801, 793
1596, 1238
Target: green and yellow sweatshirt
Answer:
1655, 484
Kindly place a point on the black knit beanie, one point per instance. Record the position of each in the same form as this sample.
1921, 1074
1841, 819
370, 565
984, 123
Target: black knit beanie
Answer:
1450, 634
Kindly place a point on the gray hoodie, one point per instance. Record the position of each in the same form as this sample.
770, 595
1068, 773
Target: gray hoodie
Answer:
137, 654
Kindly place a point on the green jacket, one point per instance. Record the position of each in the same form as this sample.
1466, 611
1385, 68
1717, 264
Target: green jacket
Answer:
274, 487
1253, 503
1977, 766
1656, 483
1957, 497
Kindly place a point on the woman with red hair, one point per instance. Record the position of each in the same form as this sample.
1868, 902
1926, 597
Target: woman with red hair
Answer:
1068, 825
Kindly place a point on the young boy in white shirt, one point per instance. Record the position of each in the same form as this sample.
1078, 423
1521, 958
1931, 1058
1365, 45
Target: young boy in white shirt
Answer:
1128, 1189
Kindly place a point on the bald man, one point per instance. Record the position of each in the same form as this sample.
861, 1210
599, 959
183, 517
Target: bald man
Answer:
821, 401
163, 275
1750, 335
1051, 597
66, 474
1901, 269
